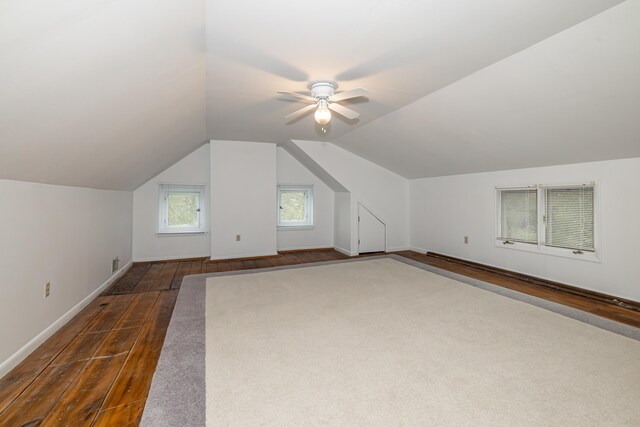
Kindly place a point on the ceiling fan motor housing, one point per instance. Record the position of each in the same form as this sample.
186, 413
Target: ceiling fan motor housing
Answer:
322, 89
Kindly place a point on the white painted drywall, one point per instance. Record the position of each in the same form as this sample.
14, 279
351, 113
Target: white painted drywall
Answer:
342, 224
243, 199
445, 209
101, 94
63, 235
148, 245
383, 192
551, 104
399, 50
292, 172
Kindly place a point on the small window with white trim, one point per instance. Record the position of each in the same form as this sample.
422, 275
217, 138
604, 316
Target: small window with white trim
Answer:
181, 209
295, 206
554, 219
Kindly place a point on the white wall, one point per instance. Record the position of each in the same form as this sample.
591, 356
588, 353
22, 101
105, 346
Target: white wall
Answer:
63, 235
147, 244
243, 199
445, 209
292, 172
342, 224
383, 192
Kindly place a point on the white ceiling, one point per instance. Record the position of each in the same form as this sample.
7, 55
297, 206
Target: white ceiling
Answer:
107, 93
400, 50
572, 98
99, 93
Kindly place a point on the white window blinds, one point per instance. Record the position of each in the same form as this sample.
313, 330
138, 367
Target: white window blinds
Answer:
519, 218
569, 218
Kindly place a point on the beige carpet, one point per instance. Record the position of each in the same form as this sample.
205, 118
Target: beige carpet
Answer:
382, 343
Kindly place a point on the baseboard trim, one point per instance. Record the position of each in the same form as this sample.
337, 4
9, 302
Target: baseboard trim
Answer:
17, 357
417, 249
303, 249
344, 251
171, 259
398, 248
240, 257
586, 293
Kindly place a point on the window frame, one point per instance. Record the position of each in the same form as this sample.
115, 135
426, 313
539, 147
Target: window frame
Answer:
499, 233
295, 225
540, 246
163, 208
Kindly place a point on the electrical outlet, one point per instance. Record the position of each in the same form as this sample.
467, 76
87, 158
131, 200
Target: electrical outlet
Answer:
237, 237
114, 264
47, 289
466, 240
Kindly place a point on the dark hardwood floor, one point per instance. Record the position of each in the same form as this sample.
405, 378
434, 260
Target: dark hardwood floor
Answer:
97, 369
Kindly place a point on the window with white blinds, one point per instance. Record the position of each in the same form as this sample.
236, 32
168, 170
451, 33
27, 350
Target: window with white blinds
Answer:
560, 219
569, 218
519, 215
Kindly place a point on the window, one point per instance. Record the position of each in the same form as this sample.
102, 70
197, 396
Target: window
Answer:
558, 219
181, 209
295, 206
519, 215
569, 218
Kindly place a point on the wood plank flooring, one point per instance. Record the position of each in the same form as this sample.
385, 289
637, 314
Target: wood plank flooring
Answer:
97, 369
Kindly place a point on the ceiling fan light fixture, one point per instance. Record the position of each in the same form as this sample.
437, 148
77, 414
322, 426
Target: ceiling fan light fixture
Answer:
322, 114
323, 97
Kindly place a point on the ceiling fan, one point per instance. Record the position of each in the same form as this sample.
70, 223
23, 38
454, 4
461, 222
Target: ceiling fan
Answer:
323, 98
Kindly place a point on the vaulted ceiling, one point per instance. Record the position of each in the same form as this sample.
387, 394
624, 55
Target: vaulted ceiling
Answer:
100, 93
107, 93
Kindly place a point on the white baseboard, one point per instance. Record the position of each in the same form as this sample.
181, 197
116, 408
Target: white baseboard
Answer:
240, 256
397, 248
344, 251
17, 357
165, 258
305, 248
417, 249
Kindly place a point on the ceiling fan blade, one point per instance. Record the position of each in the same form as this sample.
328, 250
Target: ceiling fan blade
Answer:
301, 111
298, 95
349, 94
344, 111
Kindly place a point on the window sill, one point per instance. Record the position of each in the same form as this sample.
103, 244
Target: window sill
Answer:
295, 227
180, 233
547, 250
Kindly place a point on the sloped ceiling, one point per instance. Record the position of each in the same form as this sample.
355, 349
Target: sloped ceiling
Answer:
574, 97
107, 93
99, 93
400, 50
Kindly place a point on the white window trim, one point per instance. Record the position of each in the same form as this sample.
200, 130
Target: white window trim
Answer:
164, 189
540, 247
299, 225
295, 227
